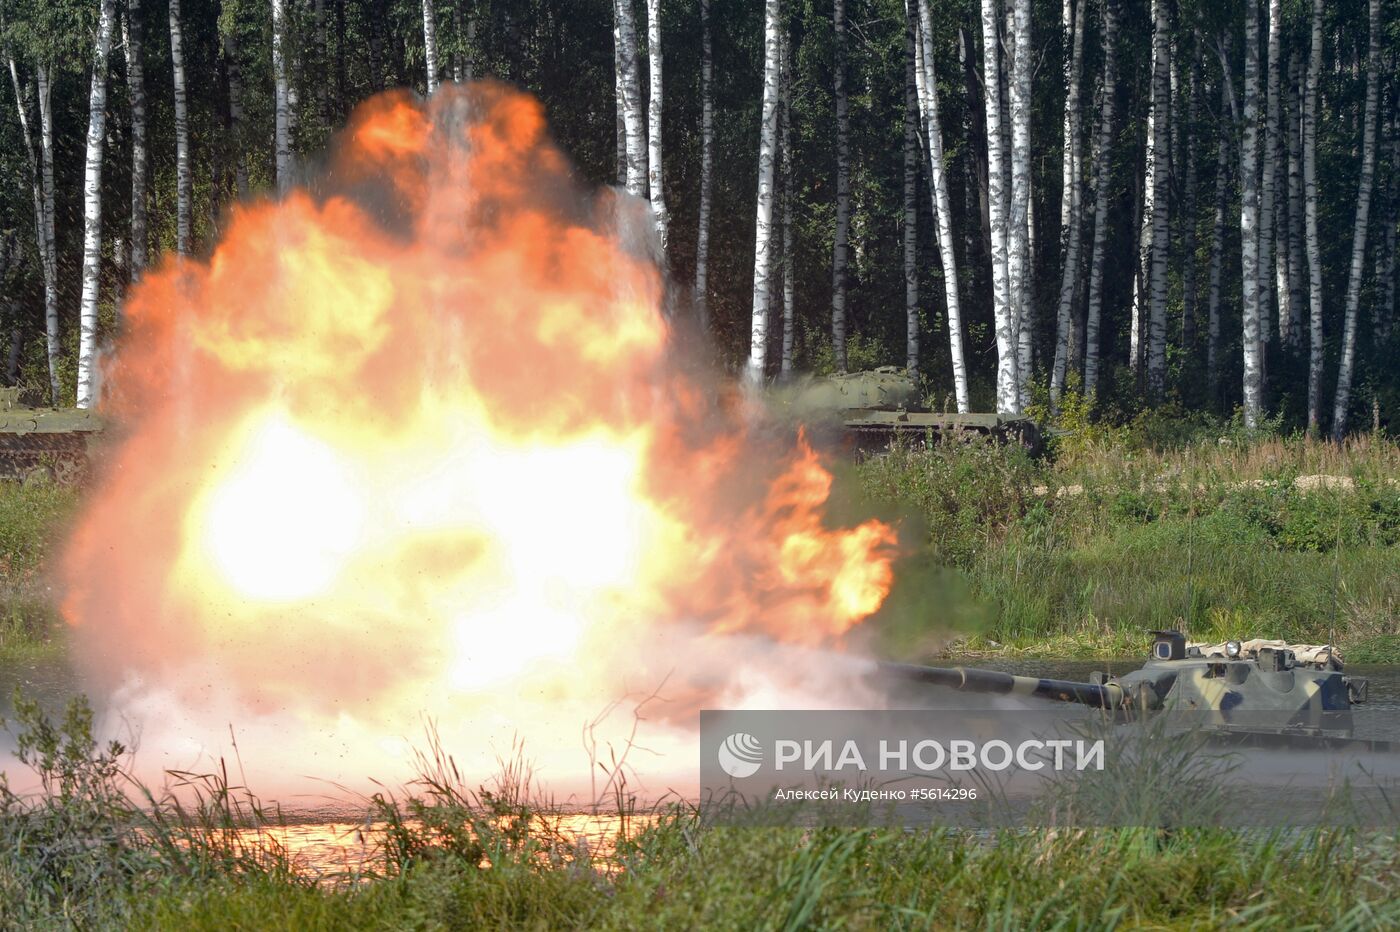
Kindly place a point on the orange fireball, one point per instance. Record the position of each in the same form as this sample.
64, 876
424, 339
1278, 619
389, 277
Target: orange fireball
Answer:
422, 432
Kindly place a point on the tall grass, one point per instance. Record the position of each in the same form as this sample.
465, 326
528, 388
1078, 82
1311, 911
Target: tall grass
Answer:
86, 853
1080, 552
32, 519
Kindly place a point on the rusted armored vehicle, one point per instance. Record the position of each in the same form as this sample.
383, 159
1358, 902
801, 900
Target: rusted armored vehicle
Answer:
874, 407
44, 444
1253, 688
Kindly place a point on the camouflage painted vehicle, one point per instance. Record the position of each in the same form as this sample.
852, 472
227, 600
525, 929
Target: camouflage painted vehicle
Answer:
874, 407
1251, 687
44, 444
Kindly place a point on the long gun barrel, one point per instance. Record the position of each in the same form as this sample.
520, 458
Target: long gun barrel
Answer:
971, 679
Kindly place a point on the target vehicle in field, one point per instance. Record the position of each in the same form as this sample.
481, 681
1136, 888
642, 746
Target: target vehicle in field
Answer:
876, 406
44, 444
1252, 687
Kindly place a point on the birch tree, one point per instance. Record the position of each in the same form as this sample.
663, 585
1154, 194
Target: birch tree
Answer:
840, 242
1291, 330
42, 215
50, 196
430, 57
1314, 250
926, 88
233, 67
282, 127
1268, 188
1252, 309
1363, 211
184, 180
1217, 247
707, 160
92, 208
1188, 207
633, 118
1156, 200
1103, 169
654, 100
1071, 195
133, 36
910, 226
789, 195
763, 223
1008, 393
620, 101
1019, 241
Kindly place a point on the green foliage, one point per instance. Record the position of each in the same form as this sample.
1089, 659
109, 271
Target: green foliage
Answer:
31, 519
862, 353
1078, 554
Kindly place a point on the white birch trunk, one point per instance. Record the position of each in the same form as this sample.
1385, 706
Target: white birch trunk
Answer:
41, 215
1188, 220
1158, 156
1143, 193
92, 209
1071, 194
654, 111
926, 87
1363, 211
620, 102
50, 255
430, 56
785, 145
233, 66
1103, 168
282, 111
184, 180
911, 204
633, 114
1005, 322
763, 223
707, 160
1217, 250
1292, 329
1252, 310
136, 92
1314, 251
840, 242
1019, 266
1268, 193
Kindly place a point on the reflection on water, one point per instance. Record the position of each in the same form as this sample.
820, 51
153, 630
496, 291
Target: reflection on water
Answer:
339, 846
348, 852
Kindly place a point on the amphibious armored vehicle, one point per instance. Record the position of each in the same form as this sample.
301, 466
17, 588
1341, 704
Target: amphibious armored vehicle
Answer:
44, 444
874, 407
1251, 687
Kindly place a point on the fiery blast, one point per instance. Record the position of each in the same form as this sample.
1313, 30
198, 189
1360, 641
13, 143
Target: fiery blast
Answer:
415, 442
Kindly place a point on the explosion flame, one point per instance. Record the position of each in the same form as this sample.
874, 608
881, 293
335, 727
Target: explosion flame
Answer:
421, 440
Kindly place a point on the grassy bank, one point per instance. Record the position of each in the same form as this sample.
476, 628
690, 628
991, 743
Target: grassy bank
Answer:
1075, 554
1078, 553
99, 851
32, 520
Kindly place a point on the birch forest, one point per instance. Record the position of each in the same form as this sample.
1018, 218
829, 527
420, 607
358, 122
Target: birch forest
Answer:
1160, 203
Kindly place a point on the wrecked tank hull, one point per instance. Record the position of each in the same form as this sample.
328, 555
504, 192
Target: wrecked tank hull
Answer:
45, 444
871, 409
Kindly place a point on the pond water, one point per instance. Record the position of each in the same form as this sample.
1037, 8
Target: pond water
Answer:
342, 844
